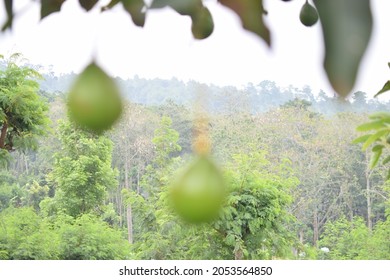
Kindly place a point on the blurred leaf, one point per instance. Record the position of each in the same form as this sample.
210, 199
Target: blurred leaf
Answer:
374, 137
361, 139
346, 26
370, 126
375, 158
202, 24
50, 6
134, 8
388, 175
8, 7
386, 160
88, 4
376, 148
110, 5
251, 15
381, 116
385, 88
183, 7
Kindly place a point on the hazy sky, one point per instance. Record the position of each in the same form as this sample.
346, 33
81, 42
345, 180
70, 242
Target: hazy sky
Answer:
165, 48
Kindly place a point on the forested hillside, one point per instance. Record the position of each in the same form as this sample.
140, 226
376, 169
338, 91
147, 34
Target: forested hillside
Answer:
298, 188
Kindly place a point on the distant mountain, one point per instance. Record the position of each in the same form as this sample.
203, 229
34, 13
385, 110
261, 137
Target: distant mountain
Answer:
255, 98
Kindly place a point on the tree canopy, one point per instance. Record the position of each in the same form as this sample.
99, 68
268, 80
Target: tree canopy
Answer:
23, 113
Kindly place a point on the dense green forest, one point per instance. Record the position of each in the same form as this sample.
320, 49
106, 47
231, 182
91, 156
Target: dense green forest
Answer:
298, 188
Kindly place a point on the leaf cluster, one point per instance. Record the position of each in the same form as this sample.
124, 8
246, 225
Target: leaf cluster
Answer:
378, 138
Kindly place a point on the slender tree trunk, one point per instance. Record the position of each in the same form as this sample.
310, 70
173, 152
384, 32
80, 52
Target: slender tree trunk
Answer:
129, 224
119, 203
369, 207
301, 236
3, 134
129, 216
138, 177
315, 227
368, 195
26, 163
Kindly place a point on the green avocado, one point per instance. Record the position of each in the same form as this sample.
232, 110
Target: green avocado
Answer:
94, 101
197, 194
308, 15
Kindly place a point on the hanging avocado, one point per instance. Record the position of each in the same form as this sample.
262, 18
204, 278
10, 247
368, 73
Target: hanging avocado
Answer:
308, 15
197, 194
94, 101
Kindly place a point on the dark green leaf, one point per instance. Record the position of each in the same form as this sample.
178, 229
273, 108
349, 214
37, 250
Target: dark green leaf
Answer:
346, 26
50, 6
88, 4
202, 24
385, 88
8, 7
134, 8
251, 15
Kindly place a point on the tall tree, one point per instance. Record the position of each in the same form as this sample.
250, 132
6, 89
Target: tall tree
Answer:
23, 113
82, 171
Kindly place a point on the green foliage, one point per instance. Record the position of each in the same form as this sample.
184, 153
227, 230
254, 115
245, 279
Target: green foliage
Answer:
82, 171
379, 138
346, 239
10, 192
165, 140
23, 113
88, 238
386, 86
352, 240
25, 236
380, 242
255, 219
265, 214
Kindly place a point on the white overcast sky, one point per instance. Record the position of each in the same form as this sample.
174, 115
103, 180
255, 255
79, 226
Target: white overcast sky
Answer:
164, 48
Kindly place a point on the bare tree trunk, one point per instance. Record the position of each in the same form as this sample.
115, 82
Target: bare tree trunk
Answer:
301, 236
25, 163
119, 203
129, 224
368, 195
129, 216
315, 227
3, 134
138, 177
369, 207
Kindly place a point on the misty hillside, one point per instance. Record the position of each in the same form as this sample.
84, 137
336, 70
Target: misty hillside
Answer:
258, 98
